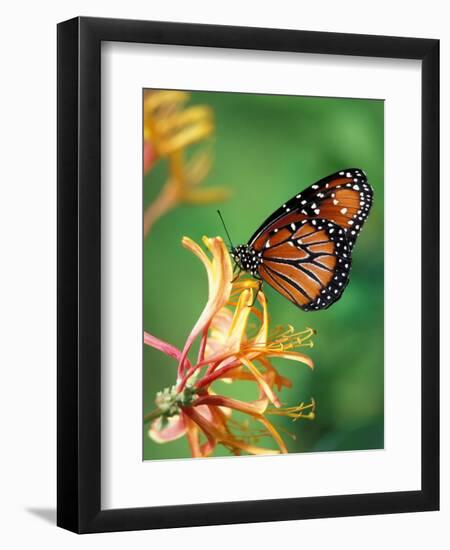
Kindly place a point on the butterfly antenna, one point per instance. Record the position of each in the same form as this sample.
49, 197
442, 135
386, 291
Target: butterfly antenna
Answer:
225, 227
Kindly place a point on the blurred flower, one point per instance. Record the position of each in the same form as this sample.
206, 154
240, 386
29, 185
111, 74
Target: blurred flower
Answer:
169, 129
235, 345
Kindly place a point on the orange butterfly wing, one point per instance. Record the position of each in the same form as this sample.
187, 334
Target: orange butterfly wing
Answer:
305, 246
308, 263
344, 198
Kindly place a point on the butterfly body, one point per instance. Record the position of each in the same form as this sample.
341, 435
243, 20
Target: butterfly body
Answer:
303, 250
247, 259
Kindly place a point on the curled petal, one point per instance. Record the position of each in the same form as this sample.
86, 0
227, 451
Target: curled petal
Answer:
198, 251
208, 447
293, 356
173, 429
221, 266
256, 409
219, 272
265, 387
219, 435
273, 376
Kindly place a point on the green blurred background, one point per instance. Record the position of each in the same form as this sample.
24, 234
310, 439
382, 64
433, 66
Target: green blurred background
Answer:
267, 149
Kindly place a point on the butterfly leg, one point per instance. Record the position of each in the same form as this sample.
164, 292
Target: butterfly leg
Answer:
237, 276
257, 292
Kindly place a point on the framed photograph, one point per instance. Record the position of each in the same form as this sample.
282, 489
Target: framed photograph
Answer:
248, 254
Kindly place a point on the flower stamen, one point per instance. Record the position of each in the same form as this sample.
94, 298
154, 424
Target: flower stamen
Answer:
295, 412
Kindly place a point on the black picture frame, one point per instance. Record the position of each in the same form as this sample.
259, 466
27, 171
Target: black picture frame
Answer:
79, 275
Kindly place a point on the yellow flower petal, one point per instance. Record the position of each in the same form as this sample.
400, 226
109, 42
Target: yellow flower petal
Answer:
270, 427
219, 278
185, 137
159, 98
293, 356
199, 166
261, 337
198, 251
187, 117
218, 331
236, 332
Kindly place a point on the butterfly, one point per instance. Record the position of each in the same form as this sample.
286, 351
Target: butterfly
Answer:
304, 249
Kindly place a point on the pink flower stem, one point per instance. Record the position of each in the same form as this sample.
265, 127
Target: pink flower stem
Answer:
231, 403
201, 352
217, 359
166, 348
186, 377
209, 377
213, 367
216, 374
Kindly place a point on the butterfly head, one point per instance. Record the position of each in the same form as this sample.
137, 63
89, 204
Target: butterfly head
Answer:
246, 258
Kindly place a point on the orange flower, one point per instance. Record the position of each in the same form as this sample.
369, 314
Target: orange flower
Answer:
231, 350
169, 129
